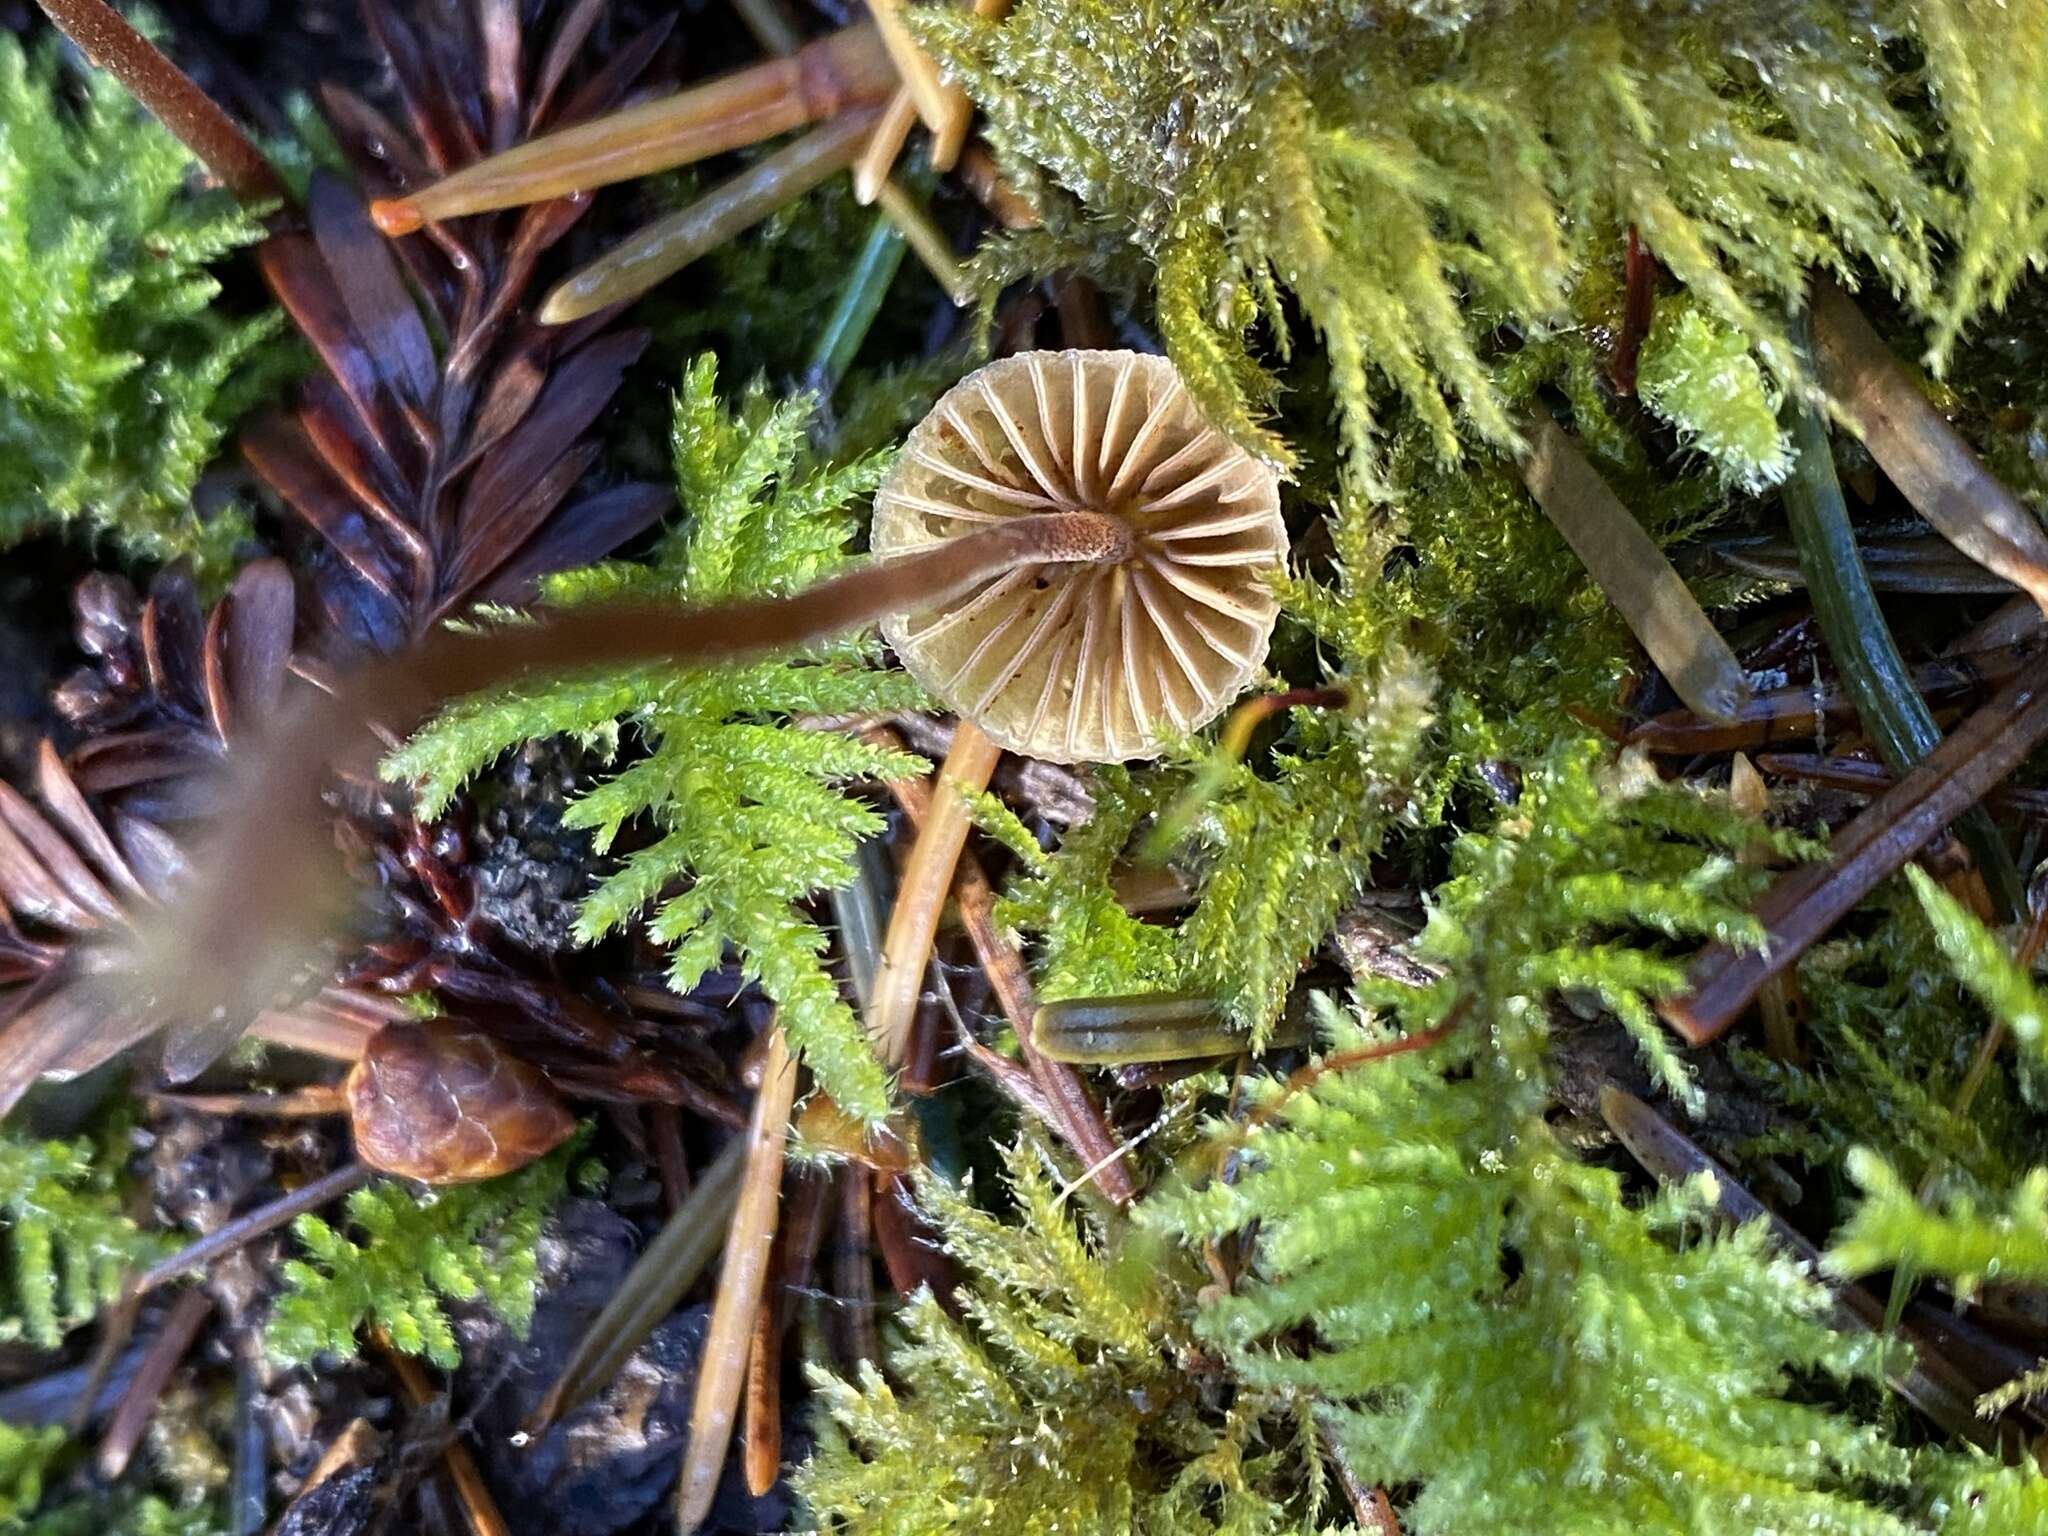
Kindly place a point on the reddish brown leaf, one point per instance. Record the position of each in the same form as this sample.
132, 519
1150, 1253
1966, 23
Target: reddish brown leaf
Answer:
588, 531
261, 607
295, 272
381, 311
579, 389
431, 106
279, 452
489, 541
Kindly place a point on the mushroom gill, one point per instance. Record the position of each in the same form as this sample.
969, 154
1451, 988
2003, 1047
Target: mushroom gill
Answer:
1089, 662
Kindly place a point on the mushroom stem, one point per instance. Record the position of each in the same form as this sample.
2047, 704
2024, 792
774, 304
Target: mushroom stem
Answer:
257, 904
922, 896
193, 117
848, 68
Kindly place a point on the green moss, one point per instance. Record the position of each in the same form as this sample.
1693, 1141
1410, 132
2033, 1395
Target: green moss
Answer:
419, 1248
751, 816
120, 374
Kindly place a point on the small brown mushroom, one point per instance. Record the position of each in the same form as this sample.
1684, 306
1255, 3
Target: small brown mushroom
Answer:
1087, 662
1068, 554
445, 1105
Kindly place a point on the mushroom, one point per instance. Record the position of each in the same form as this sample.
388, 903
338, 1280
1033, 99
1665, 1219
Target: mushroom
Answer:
1093, 662
1068, 554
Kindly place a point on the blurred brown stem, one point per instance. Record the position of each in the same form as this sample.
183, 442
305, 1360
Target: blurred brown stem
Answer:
170, 95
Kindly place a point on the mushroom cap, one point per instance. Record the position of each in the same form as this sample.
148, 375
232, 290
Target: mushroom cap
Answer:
1087, 663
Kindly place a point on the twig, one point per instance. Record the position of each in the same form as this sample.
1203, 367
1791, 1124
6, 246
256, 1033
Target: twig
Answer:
138, 1404
170, 96
1805, 903
251, 1225
308, 1103
1639, 309
1634, 573
1342, 1061
721, 1365
479, 1510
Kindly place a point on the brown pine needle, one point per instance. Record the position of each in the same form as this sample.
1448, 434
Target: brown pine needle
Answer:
661, 249
1923, 455
885, 146
1805, 903
658, 1280
845, 69
922, 894
722, 1364
910, 216
1634, 573
915, 68
138, 1404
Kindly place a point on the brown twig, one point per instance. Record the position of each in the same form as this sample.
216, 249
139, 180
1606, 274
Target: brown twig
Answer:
1062, 1096
721, 1368
251, 1225
139, 1403
479, 1510
1808, 901
170, 96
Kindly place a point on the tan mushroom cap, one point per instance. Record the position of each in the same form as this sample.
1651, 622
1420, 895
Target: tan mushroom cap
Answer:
1087, 663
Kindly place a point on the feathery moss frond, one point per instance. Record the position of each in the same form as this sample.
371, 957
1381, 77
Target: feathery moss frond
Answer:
1703, 379
119, 377
748, 809
1058, 1399
467, 1242
1889, 1228
69, 1239
1415, 172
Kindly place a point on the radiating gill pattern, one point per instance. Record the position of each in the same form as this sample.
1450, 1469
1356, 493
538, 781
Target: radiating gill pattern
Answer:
1078, 663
